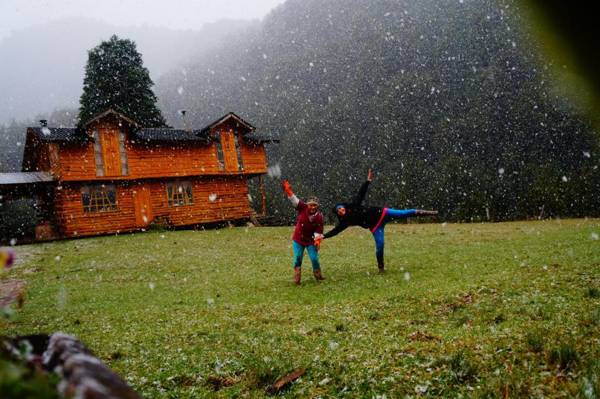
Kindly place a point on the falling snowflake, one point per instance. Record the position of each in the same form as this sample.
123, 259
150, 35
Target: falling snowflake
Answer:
212, 197
587, 154
152, 286
565, 179
595, 236
501, 171
180, 90
407, 276
421, 389
210, 301
61, 298
274, 171
46, 131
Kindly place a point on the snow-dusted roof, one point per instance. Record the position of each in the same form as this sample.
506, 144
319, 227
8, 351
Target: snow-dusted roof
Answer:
25, 178
71, 134
166, 134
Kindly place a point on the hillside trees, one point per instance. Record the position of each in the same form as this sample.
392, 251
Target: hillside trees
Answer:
447, 100
116, 78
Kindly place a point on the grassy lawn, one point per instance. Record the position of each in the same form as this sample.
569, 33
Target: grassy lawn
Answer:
478, 310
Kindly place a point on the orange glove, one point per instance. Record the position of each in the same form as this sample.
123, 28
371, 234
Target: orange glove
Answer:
318, 243
287, 188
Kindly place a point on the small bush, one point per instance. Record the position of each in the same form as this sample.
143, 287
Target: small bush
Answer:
592, 292
535, 341
564, 356
595, 319
462, 368
18, 219
18, 382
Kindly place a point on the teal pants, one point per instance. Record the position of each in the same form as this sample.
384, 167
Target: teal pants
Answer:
313, 254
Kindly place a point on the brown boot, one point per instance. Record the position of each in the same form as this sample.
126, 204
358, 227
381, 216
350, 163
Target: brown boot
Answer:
297, 275
318, 275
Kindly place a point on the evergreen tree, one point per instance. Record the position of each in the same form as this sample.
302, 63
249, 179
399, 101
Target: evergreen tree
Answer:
116, 78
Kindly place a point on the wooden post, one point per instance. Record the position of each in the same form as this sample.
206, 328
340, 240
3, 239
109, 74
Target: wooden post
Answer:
263, 194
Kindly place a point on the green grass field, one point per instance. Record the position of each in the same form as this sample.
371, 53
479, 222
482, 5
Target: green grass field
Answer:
475, 310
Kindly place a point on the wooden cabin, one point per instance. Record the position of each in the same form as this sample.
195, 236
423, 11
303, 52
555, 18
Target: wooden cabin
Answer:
113, 175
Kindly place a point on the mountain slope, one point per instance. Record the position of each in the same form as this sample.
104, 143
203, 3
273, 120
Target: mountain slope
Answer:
447, 100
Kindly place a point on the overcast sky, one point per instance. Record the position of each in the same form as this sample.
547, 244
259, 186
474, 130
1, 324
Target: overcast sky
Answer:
182, 14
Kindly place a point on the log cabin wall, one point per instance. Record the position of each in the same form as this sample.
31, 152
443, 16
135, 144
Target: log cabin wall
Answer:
214, 199
158, 159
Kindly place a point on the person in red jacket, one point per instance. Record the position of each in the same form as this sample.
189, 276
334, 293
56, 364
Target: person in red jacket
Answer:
308, 232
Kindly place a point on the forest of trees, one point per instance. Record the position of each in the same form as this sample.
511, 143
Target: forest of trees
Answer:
449, 101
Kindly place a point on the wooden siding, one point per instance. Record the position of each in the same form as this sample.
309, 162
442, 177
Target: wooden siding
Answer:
215, 199
160, 160
254, 158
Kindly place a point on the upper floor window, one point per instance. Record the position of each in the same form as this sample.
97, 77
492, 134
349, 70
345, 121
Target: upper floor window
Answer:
124, 165
99, 198
179, 193
98, 154
238, 151
220, 156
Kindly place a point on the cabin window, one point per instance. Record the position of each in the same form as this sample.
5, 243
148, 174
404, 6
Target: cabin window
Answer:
238, 150
179, 194
220, 156
98, 154
101, 198
123, 153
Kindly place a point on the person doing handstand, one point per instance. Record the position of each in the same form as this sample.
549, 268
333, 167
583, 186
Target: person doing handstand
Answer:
308, 232
371, 217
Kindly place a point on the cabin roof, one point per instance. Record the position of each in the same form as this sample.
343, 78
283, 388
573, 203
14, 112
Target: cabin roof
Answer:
117, 114
167, 134
69, 134
25, 178
73, 134
229, 115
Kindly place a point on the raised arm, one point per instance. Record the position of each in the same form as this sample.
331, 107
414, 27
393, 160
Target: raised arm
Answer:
287, 189
362, 192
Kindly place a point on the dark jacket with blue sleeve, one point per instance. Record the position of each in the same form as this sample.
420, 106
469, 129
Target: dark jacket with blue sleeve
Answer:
356, 213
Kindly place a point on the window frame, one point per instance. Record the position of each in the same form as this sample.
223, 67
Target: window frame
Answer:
179, 193
99, 198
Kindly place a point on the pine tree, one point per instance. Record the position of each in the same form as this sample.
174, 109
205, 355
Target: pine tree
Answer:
116, 78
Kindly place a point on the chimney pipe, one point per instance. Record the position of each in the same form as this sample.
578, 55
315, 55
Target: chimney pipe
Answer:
43, 122
185, 125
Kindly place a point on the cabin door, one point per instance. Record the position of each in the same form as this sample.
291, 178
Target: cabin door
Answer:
143, 209
110, 152
229, 151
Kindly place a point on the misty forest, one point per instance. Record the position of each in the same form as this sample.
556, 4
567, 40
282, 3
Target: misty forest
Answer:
455, 107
